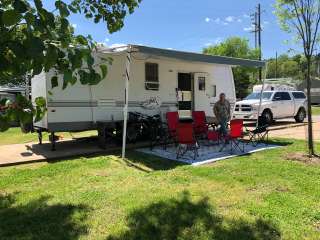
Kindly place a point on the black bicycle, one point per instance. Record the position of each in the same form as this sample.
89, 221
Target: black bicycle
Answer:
144, 127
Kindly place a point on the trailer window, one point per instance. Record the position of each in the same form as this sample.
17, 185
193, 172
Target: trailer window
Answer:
152, 76
202, 83
214, 91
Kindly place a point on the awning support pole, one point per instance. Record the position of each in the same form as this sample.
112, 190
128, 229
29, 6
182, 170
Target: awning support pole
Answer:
126, 100
261, 93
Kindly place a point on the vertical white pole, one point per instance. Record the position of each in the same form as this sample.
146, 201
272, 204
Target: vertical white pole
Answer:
261, 93
126, 103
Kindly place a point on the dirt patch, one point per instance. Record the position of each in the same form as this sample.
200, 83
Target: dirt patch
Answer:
282, 189
304, 158
317, 226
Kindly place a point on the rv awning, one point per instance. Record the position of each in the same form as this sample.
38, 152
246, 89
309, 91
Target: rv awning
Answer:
198, 57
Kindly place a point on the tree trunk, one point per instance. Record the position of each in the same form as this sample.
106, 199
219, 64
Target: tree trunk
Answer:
310, 135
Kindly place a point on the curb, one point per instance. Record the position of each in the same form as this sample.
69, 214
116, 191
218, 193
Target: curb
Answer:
288, 126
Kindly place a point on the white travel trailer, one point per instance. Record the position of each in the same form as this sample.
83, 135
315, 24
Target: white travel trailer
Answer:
161, 80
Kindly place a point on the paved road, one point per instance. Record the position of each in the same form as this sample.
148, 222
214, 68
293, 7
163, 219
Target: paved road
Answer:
288, 128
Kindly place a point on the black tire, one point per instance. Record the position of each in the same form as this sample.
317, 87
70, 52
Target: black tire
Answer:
301, 115
267, 117
132, 133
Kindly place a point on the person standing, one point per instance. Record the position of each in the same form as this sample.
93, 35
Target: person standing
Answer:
222, 111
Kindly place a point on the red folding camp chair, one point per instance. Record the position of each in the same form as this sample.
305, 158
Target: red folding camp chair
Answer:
186, 140
199, 123
235, 135
213, 136
172, 123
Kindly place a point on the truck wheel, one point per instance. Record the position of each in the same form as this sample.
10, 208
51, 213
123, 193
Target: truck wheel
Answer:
301, 115
267, 117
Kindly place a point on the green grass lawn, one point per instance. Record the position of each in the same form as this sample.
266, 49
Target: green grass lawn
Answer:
315, 110
15, 136
259, 196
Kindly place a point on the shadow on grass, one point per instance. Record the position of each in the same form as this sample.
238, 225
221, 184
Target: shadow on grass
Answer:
140, 161
38, 220
279, 141
153, 162
184, 219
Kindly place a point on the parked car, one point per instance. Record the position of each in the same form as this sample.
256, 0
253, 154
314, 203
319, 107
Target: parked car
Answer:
274, 105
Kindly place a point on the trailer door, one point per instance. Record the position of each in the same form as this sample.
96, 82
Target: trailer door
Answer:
201, 93
185, 95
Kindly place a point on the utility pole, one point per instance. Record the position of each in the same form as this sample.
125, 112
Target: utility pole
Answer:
276, 65
256, 18
259, 40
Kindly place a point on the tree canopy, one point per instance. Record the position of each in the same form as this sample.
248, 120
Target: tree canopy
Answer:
35, 39
237, 47
292, 67
302, 18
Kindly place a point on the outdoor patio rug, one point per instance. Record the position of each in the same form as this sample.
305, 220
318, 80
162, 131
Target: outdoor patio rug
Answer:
207, 153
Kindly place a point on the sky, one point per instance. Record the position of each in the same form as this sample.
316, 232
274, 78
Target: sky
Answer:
191, 25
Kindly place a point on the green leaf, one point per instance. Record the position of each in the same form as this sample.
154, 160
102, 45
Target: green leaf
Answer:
3, 102
76, 59
47, 17
25, 116
11, 17
38, 4
81, 40
4, 123
30, 18
35, 47
20, 6
40, 101
72, 9
73, 80
63, 8
64, 24
90, 60
84, 77
54, 82
51, 57
67, 78
104, 70
37, 66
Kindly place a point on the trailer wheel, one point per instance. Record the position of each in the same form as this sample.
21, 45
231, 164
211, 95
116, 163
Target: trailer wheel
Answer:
40, 136
132, 133
301, 115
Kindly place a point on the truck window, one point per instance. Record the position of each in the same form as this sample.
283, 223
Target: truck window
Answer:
281, 96
277, 96
299, 95
285, 96
257, 95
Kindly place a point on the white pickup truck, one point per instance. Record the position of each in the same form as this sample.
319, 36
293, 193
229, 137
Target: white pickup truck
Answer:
274, 105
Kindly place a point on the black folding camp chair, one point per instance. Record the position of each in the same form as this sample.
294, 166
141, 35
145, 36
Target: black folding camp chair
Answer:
259, 134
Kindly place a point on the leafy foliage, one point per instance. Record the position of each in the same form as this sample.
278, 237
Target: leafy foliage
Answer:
35, 39
22, 110
302, 17
292, 66
237, 47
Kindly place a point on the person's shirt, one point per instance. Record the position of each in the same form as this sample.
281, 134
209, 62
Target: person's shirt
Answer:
222, 110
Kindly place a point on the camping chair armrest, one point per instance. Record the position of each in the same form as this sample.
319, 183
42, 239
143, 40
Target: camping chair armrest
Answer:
247, 131
213, 125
